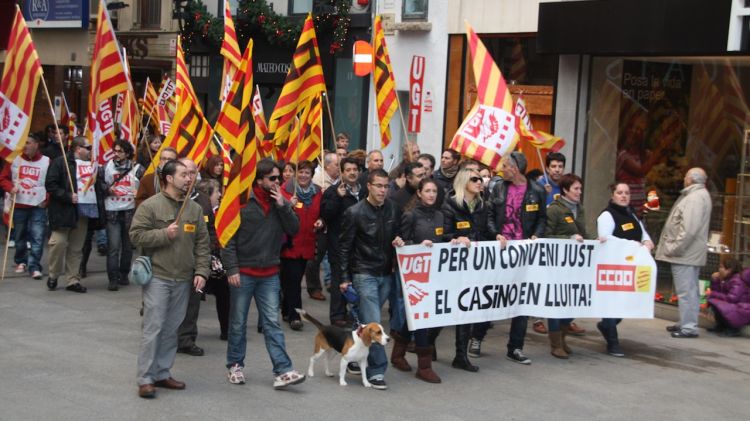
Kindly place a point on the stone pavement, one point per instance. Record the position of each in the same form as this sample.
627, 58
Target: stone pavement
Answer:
67, 356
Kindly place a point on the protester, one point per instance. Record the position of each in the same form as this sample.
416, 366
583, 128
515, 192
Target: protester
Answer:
148, 149
299, 249
421, 224
428, 163
342, 141
465, 221
730, 298
411, 151
342, 153
119, 185
330, 173
251, 258
214, 169
69, 212
414, 173
290, 168
448, 169
150, 182
683, 244
555, 165
369, 231
180, 258
373, 162
23, 180
52, 145
620, 221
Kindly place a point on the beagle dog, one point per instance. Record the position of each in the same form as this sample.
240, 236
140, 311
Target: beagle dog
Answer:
354, 346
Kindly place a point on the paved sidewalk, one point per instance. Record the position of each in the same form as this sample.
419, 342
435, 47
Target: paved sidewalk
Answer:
67, 356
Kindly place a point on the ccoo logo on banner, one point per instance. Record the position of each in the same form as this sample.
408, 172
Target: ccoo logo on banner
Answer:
450, 284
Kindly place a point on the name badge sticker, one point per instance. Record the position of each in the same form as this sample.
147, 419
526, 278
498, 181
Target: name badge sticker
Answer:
299, 205
627, 227
532, 207
463, 225
205, 218
439, 231
569, 219
189, 228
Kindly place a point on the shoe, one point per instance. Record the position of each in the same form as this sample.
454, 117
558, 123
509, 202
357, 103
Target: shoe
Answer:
684, 335
11, 244
615, 351
296, 324
51, 283
170, 383
235, 375
36, 275
21, 268
574, 329
463, 363
673, 328
424, 365
731, 333
378, 383
289, 378
123, 281
475, 348
556, 347
353, 368
76, 287
102, 250
193, 350
340, 323
146, 391
517, 356
539, 327
112, 286
317, 295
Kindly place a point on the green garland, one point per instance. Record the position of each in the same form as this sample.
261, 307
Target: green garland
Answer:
257, 17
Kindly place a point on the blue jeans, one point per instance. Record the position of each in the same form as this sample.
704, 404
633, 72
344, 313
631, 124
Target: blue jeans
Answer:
29, 224
373, 291
396, 307
119, 249
266, 293
326, 265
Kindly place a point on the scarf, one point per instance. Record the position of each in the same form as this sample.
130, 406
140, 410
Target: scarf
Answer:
570, 205
449, 172
306, 195
263, 198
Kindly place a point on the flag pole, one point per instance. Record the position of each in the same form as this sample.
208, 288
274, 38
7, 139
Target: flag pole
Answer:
57, 130
296, 153
187, 198
10, 228
330, 119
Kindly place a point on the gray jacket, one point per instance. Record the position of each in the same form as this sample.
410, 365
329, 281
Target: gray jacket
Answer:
683, 239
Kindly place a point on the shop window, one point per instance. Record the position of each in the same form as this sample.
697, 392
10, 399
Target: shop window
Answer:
300, 7
414, 10
149, 14
199, 65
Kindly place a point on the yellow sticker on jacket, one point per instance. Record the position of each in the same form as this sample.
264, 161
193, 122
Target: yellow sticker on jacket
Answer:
189, 228
439, 231
462, 225
627, 227
569, 219
532, 207
205, 218
299, 205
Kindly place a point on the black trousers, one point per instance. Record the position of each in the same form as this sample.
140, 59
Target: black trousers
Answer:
219, 287
337, 309
312, 271
292, 271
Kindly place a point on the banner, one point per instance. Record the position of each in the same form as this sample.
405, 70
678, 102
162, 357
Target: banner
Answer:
449, 285
416, 79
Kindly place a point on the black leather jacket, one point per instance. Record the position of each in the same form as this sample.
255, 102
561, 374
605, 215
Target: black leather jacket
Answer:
367, 232
460, 222
423, 223
533, 209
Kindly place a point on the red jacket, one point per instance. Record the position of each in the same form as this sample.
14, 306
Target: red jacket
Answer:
302, 245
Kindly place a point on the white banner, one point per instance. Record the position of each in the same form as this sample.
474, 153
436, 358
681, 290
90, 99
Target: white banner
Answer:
450, 284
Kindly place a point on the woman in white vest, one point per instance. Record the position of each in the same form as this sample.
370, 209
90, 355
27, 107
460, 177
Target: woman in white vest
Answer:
25, 178
119, 184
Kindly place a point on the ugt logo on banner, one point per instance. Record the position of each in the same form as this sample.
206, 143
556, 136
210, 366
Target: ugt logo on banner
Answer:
415, 269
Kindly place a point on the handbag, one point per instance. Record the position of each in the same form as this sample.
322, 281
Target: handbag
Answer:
141, 271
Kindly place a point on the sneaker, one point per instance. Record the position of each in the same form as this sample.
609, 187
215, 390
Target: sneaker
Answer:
475, 348
378, 382
673, 328
20, 268
11, 244
296, 324
235, 375
353, 368
36, 275
684, 335
615, 351
539, 327
517, 356
288, 379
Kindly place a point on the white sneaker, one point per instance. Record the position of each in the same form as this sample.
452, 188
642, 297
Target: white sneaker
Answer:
21, 268
289, 378
235, 375
36, 275
11, 244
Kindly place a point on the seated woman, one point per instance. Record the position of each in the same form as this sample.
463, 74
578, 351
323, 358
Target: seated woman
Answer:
730, 298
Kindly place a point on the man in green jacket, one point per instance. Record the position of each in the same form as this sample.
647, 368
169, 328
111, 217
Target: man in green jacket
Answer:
180, 253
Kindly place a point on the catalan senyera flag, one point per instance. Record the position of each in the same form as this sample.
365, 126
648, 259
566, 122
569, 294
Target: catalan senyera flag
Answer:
305, 138
67, 118
108, 78
238, 188
536, 138
149, 102
385, 85
304, 79
490, 130
130, 118
18, 86
266, 148
235, 117
230, 50
166, 104
226, 158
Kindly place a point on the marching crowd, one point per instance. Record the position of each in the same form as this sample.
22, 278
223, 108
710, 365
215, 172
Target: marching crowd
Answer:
337, 225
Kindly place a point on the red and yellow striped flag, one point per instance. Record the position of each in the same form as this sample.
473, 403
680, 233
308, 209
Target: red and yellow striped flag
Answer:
490, 130
230, 49
240, 182
18, 86
108, 78
235, 117
304, 79
130, 118
385, 85
537, 138
149, 101
305, 138
266, 148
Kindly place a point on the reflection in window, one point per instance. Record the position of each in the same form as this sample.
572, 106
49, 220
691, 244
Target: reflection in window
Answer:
414, 10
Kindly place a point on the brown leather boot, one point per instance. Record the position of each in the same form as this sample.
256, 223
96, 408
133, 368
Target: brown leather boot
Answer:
424, 365
565, 330
555, 341
399, 351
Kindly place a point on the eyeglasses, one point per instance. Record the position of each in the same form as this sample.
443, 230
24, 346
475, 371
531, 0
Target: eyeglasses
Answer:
87, 147
274, 177
475, 179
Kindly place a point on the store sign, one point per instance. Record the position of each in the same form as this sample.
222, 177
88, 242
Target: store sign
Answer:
416, 82
56, 13
135, 45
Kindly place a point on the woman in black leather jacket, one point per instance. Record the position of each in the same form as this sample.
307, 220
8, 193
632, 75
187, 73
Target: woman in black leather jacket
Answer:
465, 220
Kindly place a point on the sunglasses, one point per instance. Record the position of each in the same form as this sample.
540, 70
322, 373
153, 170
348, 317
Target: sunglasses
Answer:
87, 147
475, 179
274, 177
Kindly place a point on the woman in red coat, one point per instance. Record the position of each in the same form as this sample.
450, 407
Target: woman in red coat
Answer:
305, 198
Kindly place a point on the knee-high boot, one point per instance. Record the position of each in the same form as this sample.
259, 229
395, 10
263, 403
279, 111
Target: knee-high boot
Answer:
398, 353
424, 365
565, 330
463, 332
556, 348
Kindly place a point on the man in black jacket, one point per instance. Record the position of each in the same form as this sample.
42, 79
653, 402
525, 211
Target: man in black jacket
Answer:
369, 232
337, 199
414, 173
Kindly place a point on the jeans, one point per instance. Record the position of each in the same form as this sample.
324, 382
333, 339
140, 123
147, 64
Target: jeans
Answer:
373, 291
686, 285
119, 249
29, 224
266, 293
397, 308
517, 332
554, 324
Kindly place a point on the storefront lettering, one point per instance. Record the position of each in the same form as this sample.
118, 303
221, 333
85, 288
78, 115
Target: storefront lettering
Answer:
136, 46
282, 68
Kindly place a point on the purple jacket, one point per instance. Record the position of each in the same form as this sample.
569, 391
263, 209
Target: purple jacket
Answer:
732, 298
